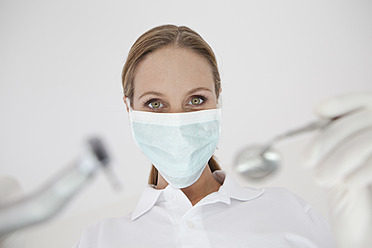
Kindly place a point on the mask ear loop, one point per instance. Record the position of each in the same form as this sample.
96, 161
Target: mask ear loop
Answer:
130, 113
127, 101
219, 102
219, 106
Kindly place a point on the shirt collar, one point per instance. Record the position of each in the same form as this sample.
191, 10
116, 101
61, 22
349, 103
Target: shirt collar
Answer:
233, 190
228, 190
148, 199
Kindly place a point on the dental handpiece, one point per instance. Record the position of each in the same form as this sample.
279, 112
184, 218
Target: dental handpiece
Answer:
51, 198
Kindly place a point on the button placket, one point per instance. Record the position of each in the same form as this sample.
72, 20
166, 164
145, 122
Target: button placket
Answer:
190, 224
193, 233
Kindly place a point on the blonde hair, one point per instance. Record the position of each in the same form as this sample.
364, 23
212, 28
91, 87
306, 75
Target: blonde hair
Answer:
162, 37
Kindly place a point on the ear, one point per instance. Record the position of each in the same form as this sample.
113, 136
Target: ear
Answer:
220, 90
125, 99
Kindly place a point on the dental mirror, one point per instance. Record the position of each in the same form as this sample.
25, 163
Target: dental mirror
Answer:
254, 164
258, 161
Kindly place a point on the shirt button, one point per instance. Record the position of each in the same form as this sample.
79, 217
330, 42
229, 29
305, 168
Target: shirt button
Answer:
190, 225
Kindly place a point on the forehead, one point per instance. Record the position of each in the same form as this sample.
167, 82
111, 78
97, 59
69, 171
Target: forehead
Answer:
173, 70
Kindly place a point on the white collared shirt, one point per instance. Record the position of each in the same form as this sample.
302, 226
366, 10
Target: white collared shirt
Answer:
232, 217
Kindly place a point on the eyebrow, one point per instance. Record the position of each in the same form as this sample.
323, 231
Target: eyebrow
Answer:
151, 93
161, 94
197, 89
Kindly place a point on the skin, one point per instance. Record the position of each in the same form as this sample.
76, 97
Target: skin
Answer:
175, 80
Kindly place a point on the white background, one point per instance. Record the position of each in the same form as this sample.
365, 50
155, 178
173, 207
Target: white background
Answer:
60, 82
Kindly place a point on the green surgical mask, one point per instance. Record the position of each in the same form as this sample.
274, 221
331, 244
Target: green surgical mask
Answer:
179, 145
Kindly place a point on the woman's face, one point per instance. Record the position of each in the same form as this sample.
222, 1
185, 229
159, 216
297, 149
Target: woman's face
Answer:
174, 80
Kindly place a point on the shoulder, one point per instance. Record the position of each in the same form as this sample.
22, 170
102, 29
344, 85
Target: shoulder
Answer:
103, 231
283, 205
281, 195
295, 209
287, 211
279, 200
110, 224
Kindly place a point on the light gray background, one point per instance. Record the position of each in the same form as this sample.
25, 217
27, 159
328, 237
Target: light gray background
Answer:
60, 65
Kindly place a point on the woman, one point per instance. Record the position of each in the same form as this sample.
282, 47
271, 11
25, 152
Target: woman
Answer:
171, 86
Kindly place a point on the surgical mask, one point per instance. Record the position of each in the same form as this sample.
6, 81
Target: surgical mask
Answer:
178, 144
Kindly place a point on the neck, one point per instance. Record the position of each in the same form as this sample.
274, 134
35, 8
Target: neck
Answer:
205, 185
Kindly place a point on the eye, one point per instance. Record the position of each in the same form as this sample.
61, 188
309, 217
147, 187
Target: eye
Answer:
154, 104
197, 100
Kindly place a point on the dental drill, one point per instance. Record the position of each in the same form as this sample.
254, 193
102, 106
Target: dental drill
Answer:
50, 199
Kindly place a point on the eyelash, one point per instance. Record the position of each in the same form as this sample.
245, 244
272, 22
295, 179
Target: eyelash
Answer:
148, 102
202, 98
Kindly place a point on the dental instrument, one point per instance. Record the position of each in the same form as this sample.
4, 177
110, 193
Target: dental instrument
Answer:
51, 198
258, 161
